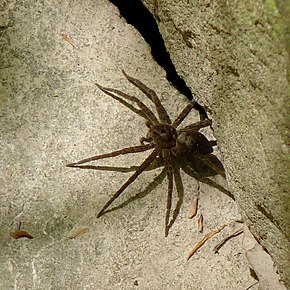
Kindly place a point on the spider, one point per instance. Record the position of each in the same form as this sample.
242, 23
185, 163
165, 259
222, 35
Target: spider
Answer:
168, 144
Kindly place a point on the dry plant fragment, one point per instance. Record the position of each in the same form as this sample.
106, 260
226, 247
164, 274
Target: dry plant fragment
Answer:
193, 208
200, 223
201, 243
76, 233
20, 234
67, 39
261, 263
223, 241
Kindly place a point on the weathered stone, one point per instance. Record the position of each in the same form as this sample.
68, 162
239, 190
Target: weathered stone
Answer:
233, 56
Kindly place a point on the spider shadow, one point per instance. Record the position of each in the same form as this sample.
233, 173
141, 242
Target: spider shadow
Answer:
199, 171
157, 163
195, 168
151, 186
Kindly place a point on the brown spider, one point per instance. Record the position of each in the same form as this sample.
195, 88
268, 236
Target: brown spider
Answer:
167, 143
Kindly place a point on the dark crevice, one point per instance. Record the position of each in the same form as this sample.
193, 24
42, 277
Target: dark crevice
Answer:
136, 14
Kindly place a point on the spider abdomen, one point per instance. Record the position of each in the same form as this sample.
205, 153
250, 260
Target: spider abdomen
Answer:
194, 142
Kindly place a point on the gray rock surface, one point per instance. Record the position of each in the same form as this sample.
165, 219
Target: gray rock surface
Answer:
52, 114
235, 56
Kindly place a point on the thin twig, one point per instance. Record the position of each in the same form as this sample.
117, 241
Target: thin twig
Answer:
205, 238
223, 241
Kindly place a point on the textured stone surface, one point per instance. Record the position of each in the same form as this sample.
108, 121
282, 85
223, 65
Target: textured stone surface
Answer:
52, 114
232, 54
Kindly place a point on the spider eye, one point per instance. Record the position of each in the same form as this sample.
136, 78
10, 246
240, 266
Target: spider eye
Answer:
159, 132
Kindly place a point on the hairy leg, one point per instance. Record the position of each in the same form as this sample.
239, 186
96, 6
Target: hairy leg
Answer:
163, 116
183, 115
157, 162
129, 106
180, 193
197, 126
148, 114
123, 151
169, 171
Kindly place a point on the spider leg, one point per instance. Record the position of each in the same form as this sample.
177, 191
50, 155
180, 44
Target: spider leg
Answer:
158, 162
144, 139
146, 112
163, 116
206, 180
123, 151
180, 193
211, 164
197, 126
183, 114
140, 169
169, 172
106, 168
129, 106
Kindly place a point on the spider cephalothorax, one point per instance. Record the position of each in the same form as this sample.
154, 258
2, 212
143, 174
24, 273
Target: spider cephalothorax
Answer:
163, 136
167, 143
